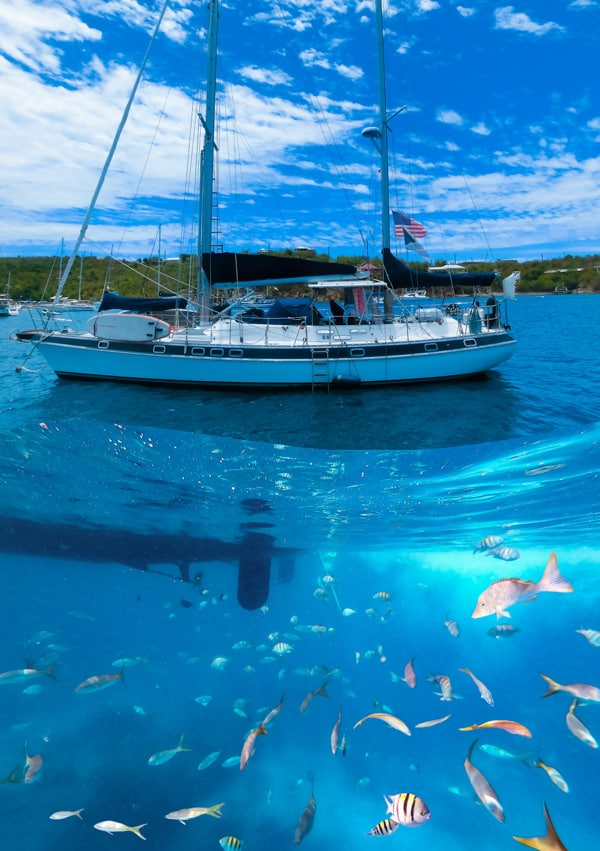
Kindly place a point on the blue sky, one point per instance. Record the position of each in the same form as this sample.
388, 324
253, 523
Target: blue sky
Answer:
498, 152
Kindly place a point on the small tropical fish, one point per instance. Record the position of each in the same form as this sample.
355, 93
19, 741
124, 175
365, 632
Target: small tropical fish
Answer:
34, 689
578, 728
62, 814
249, 745
382, 595
241, 645
272, 715
509, 726
230, 843
219, 662
164, 756
118, 827
230, 762
503, 593
335, 733
482, 787
501, 753
391, 720
591, 635
343, 746
549, 842
581, 691
208, 760
306, 820
554, 775
128, 662
23, 675
347, 612
445, 686
384, 828
503, 630
504, 553
282, 648
204, 699
33, 766
407, 809
308, 699
15, 776
410, 678
98, 682
483, 689
452, 627
488, 543
433, 723
193, 812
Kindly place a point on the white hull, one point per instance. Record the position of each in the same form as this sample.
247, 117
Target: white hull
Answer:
234, 354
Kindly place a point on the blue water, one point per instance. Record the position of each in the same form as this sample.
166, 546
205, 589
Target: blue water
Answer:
104, 488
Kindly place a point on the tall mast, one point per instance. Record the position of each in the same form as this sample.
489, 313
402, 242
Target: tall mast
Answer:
207, 159
383, 129
379, 135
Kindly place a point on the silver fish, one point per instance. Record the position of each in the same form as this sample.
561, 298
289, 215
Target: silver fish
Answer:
483, 788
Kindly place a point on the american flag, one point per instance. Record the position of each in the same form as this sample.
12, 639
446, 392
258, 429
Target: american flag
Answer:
401, 220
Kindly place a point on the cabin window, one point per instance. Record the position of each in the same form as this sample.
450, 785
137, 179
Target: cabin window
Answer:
470, 342
217, 353
103, 344
236, 353
431, 347
159, 350
196, 350
357, 353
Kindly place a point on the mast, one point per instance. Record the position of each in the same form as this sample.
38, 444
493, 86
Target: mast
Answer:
379, 135
383, 129
207, 158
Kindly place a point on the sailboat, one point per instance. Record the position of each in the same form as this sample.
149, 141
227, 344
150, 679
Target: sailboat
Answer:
345, 334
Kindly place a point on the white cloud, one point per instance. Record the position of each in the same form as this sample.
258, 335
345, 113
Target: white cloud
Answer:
449, 116
480, 129
425, 6
264, 75
508, 19
465, 11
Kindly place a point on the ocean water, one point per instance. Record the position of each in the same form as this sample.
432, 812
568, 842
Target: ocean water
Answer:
361, 514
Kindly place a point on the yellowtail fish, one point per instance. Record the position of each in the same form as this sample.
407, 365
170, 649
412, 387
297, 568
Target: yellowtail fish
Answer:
549, 842
591, 635
483, 788
164, 756
230, 843
578, 728
193, 812
503, 630
208, 760
98, 682
503, 593
488, 543
391, 720
433, 723
581, 691
410, 677
308, 699
509, 726
306, 820
335, 733
249, 745
33, 766
554, 775
407, 809
452, 627
62, 814
23, 675
384, 828
483, 689
118, 827
445, 685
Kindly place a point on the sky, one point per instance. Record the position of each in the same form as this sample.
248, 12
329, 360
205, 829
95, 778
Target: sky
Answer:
497, 152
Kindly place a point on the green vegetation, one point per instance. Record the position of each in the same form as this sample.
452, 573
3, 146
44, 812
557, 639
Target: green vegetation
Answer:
36, 278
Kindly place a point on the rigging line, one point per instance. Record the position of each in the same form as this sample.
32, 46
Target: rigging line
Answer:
109, 159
